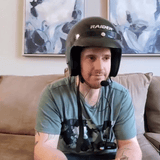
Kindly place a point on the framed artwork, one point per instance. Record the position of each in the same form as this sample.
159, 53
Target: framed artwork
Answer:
47, 24
138, 22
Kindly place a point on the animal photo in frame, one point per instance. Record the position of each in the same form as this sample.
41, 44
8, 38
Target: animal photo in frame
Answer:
47, 24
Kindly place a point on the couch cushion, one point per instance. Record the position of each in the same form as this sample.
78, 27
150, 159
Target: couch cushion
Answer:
154, 138
148, 151
18, 102
153, 106
137, 84
16, 147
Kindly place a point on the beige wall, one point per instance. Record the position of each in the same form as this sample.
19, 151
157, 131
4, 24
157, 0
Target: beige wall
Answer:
11, 32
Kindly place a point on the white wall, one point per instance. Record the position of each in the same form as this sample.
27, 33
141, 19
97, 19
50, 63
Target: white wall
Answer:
13, 63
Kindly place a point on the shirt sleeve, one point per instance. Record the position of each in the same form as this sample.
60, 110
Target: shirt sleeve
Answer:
48, 116
125, 127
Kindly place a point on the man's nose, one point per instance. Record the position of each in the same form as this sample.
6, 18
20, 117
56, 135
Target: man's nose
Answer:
98, 65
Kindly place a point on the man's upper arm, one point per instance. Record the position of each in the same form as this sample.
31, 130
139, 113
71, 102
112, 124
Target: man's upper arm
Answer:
44, 139
125, 126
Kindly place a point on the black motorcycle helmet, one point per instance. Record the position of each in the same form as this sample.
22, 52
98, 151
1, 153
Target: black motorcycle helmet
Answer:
92, 32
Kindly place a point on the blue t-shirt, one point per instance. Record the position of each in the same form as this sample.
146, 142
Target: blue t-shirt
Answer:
58, 114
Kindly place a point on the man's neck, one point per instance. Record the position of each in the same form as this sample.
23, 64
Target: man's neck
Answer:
91, 95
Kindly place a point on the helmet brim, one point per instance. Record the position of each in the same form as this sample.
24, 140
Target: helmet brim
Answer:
97, 42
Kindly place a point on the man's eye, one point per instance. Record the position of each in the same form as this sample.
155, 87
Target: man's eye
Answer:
107, 57
91, 57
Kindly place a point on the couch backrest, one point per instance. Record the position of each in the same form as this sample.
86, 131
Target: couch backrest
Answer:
19, 97
18, 102
153, 106
138, 85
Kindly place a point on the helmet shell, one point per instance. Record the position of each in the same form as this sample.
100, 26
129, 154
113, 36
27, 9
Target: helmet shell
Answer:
92, 32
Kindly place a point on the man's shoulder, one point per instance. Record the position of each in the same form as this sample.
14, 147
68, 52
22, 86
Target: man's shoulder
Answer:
62, 88
63, 82
118, 87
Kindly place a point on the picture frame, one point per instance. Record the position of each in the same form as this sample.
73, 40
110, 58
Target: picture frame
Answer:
47, 23
138, 23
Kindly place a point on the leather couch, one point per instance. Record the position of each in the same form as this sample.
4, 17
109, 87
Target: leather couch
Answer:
18, 106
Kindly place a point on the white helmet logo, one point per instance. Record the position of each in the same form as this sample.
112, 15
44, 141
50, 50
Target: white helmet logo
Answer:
101, 27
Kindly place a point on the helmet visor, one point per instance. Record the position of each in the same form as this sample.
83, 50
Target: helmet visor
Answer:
98, 39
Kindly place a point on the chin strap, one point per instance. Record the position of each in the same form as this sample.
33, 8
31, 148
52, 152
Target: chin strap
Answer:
81, 78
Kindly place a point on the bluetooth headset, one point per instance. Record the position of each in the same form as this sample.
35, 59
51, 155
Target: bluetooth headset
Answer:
92, 32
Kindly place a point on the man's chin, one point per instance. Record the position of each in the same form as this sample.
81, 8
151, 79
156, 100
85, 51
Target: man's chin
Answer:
96, 85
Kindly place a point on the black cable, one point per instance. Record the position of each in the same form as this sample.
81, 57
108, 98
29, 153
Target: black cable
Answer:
80, 121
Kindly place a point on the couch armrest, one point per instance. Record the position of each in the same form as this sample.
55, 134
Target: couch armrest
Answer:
153, 106
154, 138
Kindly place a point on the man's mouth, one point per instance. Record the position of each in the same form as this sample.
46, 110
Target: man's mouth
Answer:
99, 75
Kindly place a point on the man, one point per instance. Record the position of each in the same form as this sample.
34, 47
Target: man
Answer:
87, 115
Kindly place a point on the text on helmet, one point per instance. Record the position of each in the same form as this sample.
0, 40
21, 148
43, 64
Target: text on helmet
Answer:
101, 27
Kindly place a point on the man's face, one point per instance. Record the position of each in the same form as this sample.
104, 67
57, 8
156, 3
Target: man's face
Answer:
95, 65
